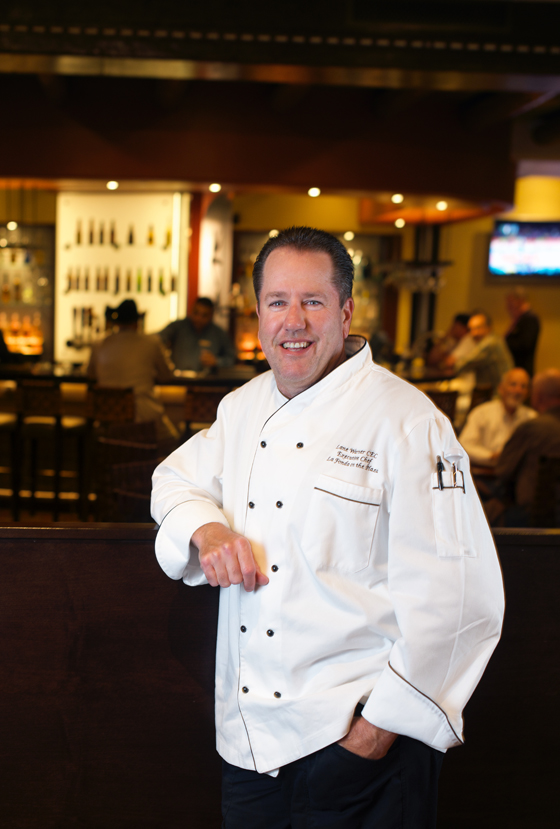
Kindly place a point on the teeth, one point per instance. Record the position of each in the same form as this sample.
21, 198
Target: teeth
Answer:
295, 345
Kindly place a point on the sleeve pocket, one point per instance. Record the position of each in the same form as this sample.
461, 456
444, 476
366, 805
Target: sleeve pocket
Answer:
451, 525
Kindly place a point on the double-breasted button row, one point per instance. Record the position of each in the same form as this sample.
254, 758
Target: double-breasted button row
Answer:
298, 445
269, 632
279, 504
277, 694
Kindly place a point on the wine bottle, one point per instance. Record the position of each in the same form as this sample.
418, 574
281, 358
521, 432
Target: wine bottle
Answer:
173, 284
91, 231
106, 280
17, 288
161, 289
68, 281
131, 235
129, 281
101, 233
150, 235
149, 280
139, 280
98, 279
77, 280
113, 236
79, 232
117, 280
86, 279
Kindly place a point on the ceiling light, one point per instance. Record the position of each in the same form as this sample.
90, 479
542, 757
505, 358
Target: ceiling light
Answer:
400, 222
397, 198
441, 205
313, 192
215, 188
348, 235
112, 185
12, 225
273, 233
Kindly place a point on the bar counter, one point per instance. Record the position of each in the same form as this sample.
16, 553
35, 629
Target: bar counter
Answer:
107, 689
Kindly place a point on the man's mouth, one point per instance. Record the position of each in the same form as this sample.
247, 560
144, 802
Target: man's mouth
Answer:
294, 346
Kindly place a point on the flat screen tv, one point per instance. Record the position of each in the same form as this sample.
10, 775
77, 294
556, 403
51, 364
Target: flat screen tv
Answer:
525, 250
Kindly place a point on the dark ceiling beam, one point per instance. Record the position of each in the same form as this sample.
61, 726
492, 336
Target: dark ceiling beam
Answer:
486, 109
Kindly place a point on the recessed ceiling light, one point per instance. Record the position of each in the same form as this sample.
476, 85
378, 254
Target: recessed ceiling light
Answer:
314, 192
400, 222
442, 205
215, 188
273, 233
397, 198
349, 235
112, 185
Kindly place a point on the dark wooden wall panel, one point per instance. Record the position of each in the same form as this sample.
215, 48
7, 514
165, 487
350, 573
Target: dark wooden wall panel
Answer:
106, 690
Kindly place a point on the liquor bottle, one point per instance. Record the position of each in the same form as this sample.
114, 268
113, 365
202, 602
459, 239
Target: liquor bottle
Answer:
101, 233
6, 288
129, 281
68, 281
17, 288
131, 235
77, 280
167, 243
139, 280
91, 231
173, 284
149, 280
106, 280
150, 235
117, 280
161, 289
113, 236
79, 232
86, 279
98, 279
28, 292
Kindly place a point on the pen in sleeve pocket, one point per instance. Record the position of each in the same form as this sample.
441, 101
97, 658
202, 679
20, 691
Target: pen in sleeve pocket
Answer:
439, 467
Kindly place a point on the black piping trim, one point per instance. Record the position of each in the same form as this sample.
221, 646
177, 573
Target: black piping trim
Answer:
344, 498
429, 699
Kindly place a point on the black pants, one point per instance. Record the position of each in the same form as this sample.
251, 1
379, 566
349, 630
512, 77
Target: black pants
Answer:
337, 789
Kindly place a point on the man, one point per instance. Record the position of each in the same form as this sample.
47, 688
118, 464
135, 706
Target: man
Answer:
314, 503
196, 342
523, 333
490, 425
490, 359
456, 341
518, 463
128, 358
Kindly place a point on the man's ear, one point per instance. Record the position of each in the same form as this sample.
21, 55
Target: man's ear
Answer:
347, 311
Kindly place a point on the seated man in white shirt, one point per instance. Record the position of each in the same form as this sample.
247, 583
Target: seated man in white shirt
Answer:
490, 425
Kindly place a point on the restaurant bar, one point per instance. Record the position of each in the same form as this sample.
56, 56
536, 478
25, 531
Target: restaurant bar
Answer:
147, 158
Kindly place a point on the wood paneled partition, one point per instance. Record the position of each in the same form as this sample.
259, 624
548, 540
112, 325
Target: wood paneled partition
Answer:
106, 689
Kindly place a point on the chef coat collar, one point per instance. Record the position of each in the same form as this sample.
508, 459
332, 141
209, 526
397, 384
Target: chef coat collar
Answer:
357, 356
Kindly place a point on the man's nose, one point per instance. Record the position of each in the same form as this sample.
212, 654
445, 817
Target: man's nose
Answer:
295, 318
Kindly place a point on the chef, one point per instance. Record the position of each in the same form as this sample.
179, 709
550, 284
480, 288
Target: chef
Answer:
361, 596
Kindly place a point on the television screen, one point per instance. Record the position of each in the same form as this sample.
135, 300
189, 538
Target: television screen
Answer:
525, 249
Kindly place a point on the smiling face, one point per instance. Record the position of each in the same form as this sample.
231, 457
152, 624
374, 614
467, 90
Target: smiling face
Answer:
302, 327
514, 389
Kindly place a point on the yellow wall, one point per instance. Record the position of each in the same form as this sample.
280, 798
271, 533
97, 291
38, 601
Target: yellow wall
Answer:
26, 206
466, 244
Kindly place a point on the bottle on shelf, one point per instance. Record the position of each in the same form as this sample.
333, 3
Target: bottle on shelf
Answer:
129, 281
79, 232
149, 281
117, 281
106, 280
139, 280
150, 239
68, 281
17, 288
98, 279
6, 288
86, 279
101, 233
167, 243
113, 236
161, 288
77, 280
131, 235
91, 231
173, 284
28, 292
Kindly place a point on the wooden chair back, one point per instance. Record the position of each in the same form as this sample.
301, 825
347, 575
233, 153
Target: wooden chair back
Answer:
545, 508
111, 405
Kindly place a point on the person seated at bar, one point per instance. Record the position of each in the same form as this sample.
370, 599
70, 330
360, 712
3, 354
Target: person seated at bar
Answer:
196, 342
128, 358
490, 425
456, 341
490, 358
517, 467
523, 333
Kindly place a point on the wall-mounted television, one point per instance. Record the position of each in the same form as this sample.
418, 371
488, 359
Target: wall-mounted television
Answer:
525, 250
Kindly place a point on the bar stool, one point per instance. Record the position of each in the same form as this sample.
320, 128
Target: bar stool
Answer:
201, 407
40, 417
9, 407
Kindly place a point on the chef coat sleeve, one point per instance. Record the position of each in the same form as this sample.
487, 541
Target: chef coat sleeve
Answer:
187, 493
446, 588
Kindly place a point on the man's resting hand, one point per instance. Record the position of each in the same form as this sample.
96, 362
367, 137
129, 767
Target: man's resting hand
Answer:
226, 557
367, 740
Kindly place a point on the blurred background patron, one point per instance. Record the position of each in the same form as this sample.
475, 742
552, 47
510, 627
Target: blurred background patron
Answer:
490, 358
523, 333
196, 342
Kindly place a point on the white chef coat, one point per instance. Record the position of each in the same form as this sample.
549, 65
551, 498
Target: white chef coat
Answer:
488, 429
383, 589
